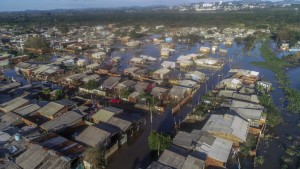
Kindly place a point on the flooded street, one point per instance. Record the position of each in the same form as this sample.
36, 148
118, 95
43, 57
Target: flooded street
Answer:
136, 153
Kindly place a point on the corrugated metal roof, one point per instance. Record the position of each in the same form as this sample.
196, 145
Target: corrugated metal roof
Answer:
227, 124
120, 123
93, 136
63, 121
61, 145
13, 104
193, 163
50, 109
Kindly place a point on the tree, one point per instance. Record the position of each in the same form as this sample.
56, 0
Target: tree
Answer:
58, 94
124, 93
95, 157
46, 91
37, 43
259, 160
159, 142
91, 84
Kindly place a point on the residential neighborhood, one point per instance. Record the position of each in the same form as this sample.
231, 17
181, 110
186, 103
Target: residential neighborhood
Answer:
140, 96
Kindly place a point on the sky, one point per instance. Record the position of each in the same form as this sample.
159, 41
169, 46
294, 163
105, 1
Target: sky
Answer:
20, 5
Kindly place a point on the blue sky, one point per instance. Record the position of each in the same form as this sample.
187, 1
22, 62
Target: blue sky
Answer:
19, 5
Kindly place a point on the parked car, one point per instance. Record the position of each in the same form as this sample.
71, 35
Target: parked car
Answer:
115, 100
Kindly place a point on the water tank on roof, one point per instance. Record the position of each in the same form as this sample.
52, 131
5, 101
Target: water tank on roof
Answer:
17, 137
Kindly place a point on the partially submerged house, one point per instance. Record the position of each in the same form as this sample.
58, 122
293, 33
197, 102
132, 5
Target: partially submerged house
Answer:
161, 74
178, 92
110, 83
229, 127
204, 145
241, 104
231, 83
159, 92
196, 76
103, 115
238, 96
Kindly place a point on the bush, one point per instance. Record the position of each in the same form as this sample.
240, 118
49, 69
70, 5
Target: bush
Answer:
159, 142
259, 160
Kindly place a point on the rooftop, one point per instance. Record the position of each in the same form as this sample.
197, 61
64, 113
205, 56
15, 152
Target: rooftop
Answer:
63, 121
13, 104
93, 136
60, 145
50, 109
227, 124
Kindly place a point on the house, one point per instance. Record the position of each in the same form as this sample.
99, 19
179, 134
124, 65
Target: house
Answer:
50, 151
64, 121
223, 51
137, 61
9, 120
31, 108
178, 92
184, 63
122, 124
18, 59
238, 96
98, 55
110, 83
165, 52
104, 69
209, 63
253, 116
125, 126
141, 73
13, 104
10, 86
159, 92
168, 65
92, 77
97, 136
231, 83
196, 76
229, 127
191, 85
132, 43
127, 84
130, 71
93, 66
204, 145
161, 74
157, 165
204, 49
141, 86
265, 85
240, 104
284, 46
25, 68
103, 115
53, 110
173, 157
74, 79
82, 62
41, 158
133, 97
61, 145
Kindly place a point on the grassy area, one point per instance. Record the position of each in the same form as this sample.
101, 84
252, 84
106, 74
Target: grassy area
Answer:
278, 66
